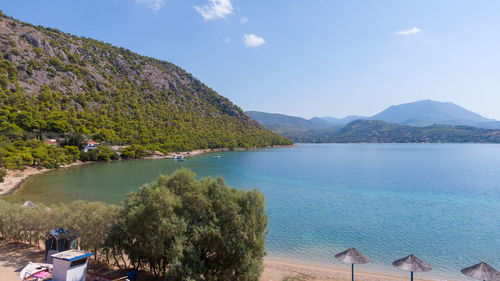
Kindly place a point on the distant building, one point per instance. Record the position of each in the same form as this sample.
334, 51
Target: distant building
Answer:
51, 141
90, 145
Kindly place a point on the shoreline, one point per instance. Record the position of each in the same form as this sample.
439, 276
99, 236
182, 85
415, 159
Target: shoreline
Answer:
15, 178
277, 269
211, 150
16, 255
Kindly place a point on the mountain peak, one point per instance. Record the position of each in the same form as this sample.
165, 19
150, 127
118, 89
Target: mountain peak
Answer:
423, 113
431, 112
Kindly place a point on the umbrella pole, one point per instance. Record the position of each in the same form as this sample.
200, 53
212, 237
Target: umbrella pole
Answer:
352, 271
412, 276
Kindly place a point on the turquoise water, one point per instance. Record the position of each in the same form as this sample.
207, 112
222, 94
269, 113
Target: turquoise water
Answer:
438, 201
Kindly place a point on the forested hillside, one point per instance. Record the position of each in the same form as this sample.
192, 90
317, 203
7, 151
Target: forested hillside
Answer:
375, 131
295, 128
69, 88
322, 130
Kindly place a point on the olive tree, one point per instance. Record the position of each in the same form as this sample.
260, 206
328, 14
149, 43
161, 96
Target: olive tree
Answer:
184, 229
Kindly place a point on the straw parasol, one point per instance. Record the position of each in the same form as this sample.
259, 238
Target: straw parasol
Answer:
352, 256
482, 271
412, 264
29, 204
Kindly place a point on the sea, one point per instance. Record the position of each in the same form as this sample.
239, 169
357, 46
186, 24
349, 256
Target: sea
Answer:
440, 202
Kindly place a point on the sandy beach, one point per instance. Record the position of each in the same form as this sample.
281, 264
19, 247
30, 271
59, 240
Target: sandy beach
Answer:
278, 270
208, 150
14, 256
15, 178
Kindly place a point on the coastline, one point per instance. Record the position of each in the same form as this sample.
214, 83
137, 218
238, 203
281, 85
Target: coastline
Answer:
278, 269
16, 255
210, 150
15, 178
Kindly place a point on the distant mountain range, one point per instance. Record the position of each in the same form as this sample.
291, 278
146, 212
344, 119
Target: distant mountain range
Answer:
376, 131
424, 113
421, 121
296, 128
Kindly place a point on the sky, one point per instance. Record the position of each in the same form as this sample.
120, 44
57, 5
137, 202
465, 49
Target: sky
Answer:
304, 57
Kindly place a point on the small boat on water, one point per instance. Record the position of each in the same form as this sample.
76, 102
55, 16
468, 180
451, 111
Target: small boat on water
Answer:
216, 156
179, 158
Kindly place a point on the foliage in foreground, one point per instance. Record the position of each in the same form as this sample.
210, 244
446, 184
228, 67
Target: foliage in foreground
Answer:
91, 220
176, 227
183, 228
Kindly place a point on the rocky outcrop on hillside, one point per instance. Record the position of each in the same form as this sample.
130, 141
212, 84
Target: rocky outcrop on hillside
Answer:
113, 95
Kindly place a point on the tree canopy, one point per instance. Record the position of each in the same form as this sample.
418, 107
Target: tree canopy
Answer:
176, 227
186, 229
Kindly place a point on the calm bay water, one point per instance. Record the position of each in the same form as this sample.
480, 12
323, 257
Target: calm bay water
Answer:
438, 201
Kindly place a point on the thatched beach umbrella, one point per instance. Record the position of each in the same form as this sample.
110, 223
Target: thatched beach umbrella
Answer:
28, 204
352, 256
412, 264
482, 271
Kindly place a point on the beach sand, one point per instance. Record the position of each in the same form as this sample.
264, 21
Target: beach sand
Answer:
278, 270
15, 178
14, 256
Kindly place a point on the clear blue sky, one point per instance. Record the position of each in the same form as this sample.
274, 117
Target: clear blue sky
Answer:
304, 57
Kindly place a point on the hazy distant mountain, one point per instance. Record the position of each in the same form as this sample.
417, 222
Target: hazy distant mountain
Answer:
281, 122
341, 121
321, 121
425, 113
296, 128
376, 131
421, 121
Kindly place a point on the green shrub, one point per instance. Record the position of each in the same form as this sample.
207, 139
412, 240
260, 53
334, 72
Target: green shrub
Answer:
3, 173
184, 229
56, 63
176, 227
134, 152
72, 152
18, 161
32, 224
115, 156
85, 157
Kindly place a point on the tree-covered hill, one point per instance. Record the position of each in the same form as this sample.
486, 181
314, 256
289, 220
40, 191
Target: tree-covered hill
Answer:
375, 131
318, 130
57, 85
295, 128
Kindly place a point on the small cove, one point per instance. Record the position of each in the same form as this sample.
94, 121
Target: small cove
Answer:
438, 201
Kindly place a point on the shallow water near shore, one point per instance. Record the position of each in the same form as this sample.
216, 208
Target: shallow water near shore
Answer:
438, 201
